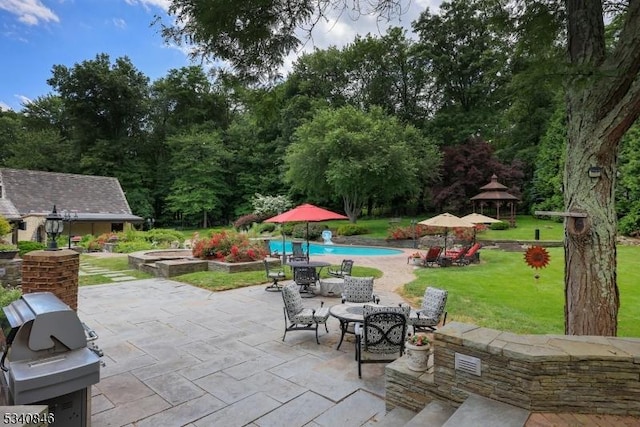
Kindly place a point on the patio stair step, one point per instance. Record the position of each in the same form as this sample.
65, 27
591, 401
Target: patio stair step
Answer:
398, 416
435, 414
478, 410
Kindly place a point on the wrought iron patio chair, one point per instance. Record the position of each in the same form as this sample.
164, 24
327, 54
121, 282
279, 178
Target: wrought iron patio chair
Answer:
305, 277
432, 310
380, 338
275, 275
299, 318
297, 253
344, 270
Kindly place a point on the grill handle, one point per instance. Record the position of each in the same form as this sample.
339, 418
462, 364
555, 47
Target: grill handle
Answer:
90, 333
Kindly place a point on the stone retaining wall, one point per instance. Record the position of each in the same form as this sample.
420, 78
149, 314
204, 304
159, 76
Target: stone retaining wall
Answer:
540, 373
171, 263
10, 272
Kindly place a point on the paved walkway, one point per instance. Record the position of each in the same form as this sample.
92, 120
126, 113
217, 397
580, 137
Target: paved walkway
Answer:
177, 355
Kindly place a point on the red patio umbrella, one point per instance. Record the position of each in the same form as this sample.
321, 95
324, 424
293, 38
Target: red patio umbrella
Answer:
308, 213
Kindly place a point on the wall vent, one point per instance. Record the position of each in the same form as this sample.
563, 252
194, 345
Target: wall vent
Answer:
469, 364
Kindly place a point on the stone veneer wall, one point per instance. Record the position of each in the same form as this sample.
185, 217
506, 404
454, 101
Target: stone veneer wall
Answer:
540, 373
10, 272
52, 271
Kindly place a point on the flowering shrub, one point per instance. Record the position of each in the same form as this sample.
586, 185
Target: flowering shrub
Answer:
229, 247
418, 340
266, 206
400, 233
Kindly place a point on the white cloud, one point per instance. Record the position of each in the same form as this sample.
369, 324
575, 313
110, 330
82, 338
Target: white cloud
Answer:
30, 12
4, 107
119, 23
23, 99
162, 4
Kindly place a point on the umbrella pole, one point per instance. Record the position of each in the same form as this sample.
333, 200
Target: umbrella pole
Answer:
307, 242
284, 252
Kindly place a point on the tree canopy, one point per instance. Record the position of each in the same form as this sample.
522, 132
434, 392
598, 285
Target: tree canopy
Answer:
358, 156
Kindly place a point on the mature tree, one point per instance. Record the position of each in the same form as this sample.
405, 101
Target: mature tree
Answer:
465, 168
603, 101
105, 108
357, 156
467, 48
198, 165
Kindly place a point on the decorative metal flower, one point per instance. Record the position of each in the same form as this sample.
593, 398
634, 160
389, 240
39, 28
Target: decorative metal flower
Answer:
537, 257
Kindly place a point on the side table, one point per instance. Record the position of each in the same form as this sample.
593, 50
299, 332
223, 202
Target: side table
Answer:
331, 287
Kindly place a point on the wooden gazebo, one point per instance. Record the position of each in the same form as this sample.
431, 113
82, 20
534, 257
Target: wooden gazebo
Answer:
496, 194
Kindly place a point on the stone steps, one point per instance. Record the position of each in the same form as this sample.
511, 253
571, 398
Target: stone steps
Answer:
475, 411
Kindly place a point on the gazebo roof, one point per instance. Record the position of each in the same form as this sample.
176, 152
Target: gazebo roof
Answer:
494, 195
494, 191
494, 184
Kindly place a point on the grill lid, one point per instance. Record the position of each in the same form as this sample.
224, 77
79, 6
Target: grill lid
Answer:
50, 317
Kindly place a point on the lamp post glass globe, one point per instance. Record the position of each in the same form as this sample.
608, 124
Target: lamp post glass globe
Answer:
53, 225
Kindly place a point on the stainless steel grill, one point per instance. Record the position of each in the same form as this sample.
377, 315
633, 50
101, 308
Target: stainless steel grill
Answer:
50, 358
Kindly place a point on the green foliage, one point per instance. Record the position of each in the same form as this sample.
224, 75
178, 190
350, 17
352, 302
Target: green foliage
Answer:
26, 246
266, 206
356, 156
160, 237
299, 230
267, 227
134, 246
502, 225
545, 192
467, 48
7, 296
629, 225
198, 166
352, 230
5, 227
253, 37
287, 228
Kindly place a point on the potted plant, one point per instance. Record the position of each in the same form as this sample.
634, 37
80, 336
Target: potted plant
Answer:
416, 258
417, 348
7, 250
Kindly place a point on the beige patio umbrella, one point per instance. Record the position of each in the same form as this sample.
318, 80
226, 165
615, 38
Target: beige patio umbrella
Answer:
476, 218
447, 221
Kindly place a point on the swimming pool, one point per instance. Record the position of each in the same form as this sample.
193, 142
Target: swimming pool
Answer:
322, 249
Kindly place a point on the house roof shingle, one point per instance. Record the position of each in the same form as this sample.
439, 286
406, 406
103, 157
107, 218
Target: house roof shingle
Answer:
36, 192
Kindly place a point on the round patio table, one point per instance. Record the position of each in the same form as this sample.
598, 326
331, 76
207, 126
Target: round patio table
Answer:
347, 313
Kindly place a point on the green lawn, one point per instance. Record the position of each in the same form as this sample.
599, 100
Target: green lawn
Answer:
503, 293
218, 281
119, 263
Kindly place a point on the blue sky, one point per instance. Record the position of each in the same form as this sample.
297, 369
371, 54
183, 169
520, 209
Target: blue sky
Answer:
35, 35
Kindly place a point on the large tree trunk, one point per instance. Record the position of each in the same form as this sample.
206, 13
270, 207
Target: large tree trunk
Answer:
603, 100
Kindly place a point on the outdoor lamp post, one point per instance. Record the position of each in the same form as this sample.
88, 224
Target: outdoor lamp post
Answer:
53, 225
69, 217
